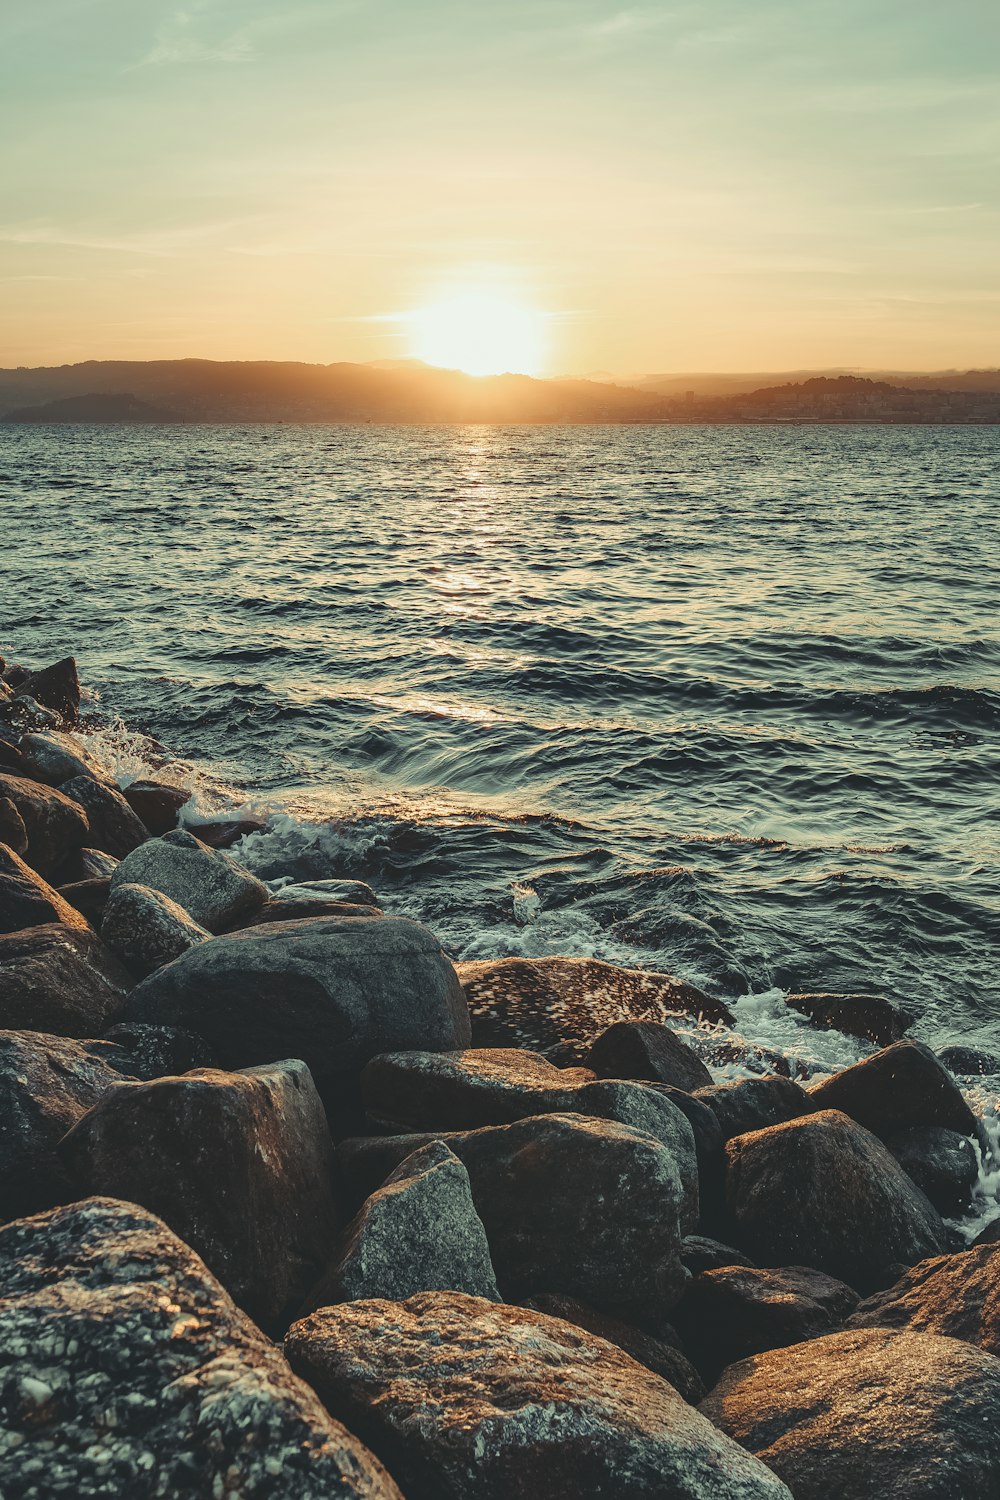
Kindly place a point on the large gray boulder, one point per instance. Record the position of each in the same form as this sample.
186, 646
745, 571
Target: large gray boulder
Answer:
239, 1165
571, 1204
59, 979
870, 1412
560, 1006
114, 827
332, 991
419, 1232
957, 1296
146, 930
210, 886
126, 1370
55, 825
408, 1091
462, 1397
27, 900
822, 1191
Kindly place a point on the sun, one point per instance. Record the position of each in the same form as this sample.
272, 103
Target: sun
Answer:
480, 333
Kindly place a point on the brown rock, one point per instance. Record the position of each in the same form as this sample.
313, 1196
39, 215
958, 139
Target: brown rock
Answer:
59, 979
56, 826
26, 900
873, 1018
903, 1085
647, 1050
666, 1360
957, 1296
157, 803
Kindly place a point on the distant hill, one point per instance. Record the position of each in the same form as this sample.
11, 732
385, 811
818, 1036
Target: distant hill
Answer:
92, 408
202, 390
702, 384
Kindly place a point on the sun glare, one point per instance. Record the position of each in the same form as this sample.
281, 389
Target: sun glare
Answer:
479, 333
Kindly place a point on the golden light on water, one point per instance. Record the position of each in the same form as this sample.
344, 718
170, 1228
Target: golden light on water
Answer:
480, 333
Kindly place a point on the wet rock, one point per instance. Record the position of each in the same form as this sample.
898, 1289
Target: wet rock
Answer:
941, 1162
822, 1191
128, 1372
432, 1091
114, 827
969, 1062
560, 1006
353, 892
734, 1311
227, 832
755, 1103
647, 1050
157, 803
23, 714
666, 1360
296, 911
957, 1296
239, 1165
88, 897
26, 900
571, 1204
419, 1232
463, 1397
56, 826
903, 1085
56, 687
766, 1062
332, 992
873, 1018
12, 830
700, 1253
46, 1084
59, 979
53, 757
156, 1051
94, 864
211, 887
904, 1416
146, 929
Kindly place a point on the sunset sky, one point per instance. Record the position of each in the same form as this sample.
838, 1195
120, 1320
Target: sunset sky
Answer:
731, 184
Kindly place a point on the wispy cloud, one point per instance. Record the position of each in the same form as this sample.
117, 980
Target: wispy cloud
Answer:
160, 243
180, 39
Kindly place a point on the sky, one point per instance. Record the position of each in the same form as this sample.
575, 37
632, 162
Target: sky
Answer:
725, 185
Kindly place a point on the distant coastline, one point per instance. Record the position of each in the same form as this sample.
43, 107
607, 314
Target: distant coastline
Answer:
208, 391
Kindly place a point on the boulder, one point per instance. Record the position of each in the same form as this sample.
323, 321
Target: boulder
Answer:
56, 687
353, 892
88, 897
56, 826
903, 1085
821, 1191
872, 1018
23, 714
754, 1103
734, 1311
227, 831
869, 1412
462, 1397
127, 1371
157, 803
210, 886
969, 1062
114, 827
12, 830
333, 992
664, 1359
26, 900
647, 1050
46, 1084
94, 864
957, 1296
296, 911
571, 1204
60, 979
434, 1091
419, 1232
239, 1165
146, 929
942, 1163
156, 1051
560, 1006
53, 757
701, 1253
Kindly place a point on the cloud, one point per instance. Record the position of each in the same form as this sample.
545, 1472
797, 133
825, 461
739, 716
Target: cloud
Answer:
180, 39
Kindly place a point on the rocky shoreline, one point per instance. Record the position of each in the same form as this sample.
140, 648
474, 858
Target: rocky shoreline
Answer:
292, 1205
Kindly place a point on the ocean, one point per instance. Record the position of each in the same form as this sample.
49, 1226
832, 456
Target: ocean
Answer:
721, 701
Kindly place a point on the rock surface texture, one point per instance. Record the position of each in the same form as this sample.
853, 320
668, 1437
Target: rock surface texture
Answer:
211, 887
59, 979
125, 1370
903, 1085
461, 1397
146, 930
954, 1295
55, 826
114, 827
238, 1165
27, 900
869, 1413
647, 1050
